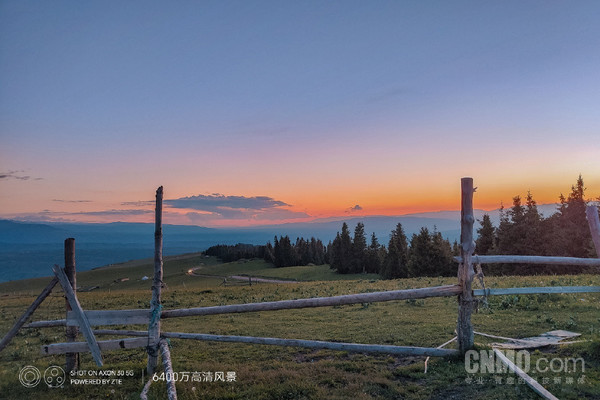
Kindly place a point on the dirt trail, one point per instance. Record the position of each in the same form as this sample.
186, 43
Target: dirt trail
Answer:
192, 272
254, 279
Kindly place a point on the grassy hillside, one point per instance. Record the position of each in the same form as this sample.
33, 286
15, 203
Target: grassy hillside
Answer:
269, 372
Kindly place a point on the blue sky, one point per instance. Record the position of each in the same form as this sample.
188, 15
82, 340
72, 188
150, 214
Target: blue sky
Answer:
318, 105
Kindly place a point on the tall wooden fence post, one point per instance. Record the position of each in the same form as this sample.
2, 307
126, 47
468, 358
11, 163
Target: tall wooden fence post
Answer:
72, 359
155, 305
465, 269
591, 212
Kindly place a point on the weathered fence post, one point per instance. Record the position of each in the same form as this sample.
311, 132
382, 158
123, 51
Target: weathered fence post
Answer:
465, 269
155, 305
591, 212
72, 359
168, 365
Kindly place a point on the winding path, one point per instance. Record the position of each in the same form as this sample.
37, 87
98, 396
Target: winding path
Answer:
192, 272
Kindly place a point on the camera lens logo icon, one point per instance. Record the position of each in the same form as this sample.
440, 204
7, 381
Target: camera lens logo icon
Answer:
30, 376
54, 376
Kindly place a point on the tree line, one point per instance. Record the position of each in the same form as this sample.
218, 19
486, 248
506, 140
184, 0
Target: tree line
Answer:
428, 254
229, 253
283, 253
524, 231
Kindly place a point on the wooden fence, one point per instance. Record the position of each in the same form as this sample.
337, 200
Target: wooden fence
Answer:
153, 338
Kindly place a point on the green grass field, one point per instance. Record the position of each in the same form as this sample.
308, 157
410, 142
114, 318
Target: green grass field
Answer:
271, 372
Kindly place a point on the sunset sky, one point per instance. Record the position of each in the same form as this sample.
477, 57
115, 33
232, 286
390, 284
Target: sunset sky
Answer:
256, 112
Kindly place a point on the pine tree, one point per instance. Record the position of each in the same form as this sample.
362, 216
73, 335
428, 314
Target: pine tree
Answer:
373, 260
286, 256
395, 264
485, 241
334, 253
534, 236
391, 268
345, 250
340, 255
269, 255
421, 252
573, 223
511, 231
302, 252
402, 245
441, 257
359, 250
277, 257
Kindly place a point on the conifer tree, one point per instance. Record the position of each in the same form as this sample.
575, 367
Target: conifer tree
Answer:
359, 250
573, 223
373, 260
269, 256
441, 257
345, 250
534, 236
395, 264
421, 254
485, 242
334, 253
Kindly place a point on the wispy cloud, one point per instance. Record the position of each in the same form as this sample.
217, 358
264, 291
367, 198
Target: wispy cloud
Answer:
214, 209
140, 203
80, 216
109, 213
17, 174
71, 201
354, 208
216, 201
216, 206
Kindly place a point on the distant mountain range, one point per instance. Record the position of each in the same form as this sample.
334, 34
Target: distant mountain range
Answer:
30, 249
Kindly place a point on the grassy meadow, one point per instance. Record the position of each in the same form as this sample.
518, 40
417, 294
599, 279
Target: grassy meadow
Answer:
271, 372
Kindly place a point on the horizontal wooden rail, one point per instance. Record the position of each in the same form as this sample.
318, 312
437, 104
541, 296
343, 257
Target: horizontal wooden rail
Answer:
81, 347
132, 317
46, 324
588, 262
311, 344
112, 317
438, 291
536, 290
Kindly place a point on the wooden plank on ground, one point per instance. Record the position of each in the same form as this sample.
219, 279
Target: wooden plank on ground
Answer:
539, 389
47, 290
84, 326
111, 317
104, 345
